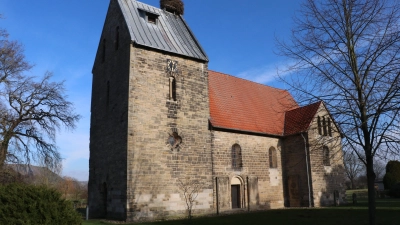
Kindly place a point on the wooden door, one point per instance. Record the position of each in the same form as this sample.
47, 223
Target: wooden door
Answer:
235, 195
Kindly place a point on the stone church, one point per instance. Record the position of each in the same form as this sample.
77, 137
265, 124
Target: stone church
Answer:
160, 118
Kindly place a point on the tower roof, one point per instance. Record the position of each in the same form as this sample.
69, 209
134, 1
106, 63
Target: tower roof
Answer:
158, 29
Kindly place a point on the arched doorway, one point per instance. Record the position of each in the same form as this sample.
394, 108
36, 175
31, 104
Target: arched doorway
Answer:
236, 195
104, 194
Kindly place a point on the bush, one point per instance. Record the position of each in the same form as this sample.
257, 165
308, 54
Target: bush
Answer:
392, 175
30, 205
395, 191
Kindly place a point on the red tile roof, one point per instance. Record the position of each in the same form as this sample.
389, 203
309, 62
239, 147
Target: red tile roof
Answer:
298, 120
239, 104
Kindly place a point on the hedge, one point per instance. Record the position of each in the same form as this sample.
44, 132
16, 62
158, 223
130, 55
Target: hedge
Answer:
22, 204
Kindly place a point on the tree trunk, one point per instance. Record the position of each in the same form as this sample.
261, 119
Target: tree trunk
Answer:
3, 152
371, 190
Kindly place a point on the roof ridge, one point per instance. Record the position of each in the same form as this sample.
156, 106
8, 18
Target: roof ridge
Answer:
155, 7
300, 107
249, 80
158, 8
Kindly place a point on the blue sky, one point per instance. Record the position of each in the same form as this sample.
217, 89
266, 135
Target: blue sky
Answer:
62, 36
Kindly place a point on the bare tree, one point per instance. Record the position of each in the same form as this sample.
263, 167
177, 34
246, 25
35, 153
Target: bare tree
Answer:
12, 58
346, 53
31, 110
353, 167
379, 169
190, 190
31, 113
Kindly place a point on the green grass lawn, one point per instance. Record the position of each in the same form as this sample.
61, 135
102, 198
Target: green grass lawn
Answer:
388, 213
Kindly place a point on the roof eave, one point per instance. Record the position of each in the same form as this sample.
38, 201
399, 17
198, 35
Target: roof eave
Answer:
247, 131
163, 50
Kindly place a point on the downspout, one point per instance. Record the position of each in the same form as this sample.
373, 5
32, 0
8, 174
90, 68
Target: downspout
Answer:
216, 194
308, 175
248, 195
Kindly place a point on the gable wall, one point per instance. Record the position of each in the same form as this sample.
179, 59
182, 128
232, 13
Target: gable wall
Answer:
268, 193
155, 168
326, 179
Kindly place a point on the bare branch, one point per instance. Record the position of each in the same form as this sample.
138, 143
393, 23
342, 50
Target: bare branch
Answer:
347, 54
36, 111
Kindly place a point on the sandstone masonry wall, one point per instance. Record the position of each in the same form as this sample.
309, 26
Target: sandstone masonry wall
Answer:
109, 120
326, 179
155, 168
255, 160
295, 173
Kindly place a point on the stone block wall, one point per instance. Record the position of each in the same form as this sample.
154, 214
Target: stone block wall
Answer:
326, 179
296, 187
262, 184
155, 167
109, 120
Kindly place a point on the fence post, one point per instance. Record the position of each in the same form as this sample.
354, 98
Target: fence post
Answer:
87, 212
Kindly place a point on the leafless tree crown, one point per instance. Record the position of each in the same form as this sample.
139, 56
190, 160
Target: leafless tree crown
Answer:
347, 53
32, 110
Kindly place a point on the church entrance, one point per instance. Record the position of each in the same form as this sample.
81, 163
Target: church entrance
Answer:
235, 195
237, 192
104, 190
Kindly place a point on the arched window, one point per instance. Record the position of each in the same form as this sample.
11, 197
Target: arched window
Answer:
272, 158
324, 125
325, 152
329, 128
172, 89
236, 156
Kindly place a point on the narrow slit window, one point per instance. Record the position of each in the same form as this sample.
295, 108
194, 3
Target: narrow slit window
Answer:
103, 54
329, 128
117, 38
324, 125
272, 158
326, 156
172, 89
319, 126
108, 95
236, 156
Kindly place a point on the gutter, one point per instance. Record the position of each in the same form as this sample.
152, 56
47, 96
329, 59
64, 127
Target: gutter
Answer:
308, 172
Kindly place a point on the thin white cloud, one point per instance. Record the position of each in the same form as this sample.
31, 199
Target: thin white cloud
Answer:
265, 74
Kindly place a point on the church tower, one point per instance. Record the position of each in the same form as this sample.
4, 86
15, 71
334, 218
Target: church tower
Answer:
149, 115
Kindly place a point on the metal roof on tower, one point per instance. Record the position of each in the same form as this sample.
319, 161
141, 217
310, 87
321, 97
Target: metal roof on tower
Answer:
158, 29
